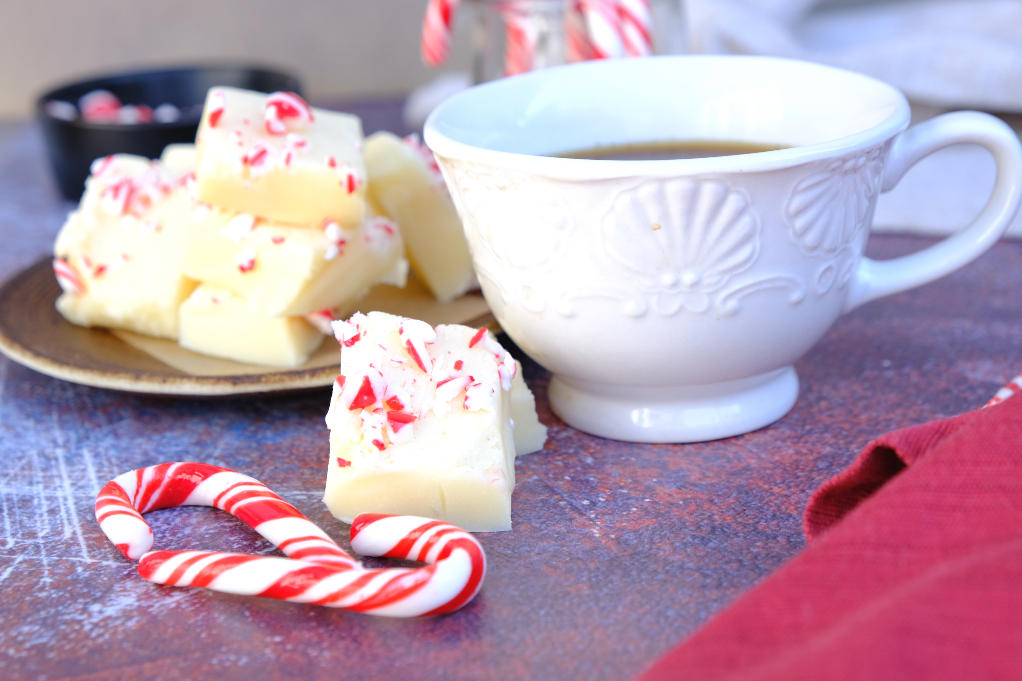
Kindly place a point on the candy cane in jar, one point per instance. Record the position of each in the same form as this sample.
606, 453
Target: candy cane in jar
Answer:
521, 32
603, 25
635, 27
436, 31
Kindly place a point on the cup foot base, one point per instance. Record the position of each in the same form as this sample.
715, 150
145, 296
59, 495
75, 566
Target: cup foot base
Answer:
686, 414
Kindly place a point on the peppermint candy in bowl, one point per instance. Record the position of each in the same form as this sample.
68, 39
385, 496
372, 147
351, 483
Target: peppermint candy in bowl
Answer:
135, 113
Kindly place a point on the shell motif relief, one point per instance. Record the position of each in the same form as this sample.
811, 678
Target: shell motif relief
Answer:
681, 240
828, 208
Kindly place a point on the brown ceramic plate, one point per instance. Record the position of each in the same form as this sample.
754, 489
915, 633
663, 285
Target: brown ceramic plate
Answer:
34, 334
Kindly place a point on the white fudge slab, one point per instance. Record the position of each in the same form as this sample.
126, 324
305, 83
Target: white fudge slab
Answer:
406, 186
530, 434
429, 437
121, 251
218, 323
303, 173
284, 270
179, 159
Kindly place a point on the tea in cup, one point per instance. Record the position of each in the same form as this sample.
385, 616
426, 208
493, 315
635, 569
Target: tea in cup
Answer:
671, 297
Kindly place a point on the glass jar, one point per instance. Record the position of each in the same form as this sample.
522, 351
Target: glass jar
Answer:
515, 36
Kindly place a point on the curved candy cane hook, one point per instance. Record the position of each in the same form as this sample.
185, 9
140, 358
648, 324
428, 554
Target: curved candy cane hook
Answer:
122, 501
317, 571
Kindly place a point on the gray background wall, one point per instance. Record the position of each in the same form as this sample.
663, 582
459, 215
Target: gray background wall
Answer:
340, 48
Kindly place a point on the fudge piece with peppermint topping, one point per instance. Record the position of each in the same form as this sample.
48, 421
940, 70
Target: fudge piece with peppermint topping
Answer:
420, 423
286, 270
118, 257
405, 184
179, 158
530, 434
219, 323
276, 157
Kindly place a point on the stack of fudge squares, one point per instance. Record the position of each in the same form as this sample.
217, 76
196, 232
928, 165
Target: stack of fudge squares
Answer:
243, 246
281, 232
249, 244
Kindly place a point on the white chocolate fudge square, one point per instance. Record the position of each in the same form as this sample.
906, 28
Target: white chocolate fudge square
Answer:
530, 434
118, 257
285, 270
179, 159
405, 185
273, 156
420, 423
218, 323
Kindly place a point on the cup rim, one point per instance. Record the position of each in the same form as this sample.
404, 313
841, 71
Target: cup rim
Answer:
580, 169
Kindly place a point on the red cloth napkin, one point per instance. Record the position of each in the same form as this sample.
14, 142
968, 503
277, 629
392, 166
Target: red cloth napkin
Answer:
914, 569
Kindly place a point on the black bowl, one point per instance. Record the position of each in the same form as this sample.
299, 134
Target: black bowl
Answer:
73, 145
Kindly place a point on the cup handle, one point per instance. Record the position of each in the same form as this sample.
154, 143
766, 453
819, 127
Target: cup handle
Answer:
876, 278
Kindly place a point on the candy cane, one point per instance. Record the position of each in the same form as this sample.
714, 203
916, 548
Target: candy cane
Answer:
578, 45
122, 501
454, 574
603, 24
436, 31
447, 549
317, 571
521, 33
635, 21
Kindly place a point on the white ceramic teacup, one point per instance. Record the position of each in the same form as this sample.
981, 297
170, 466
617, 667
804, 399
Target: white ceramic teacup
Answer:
671, 298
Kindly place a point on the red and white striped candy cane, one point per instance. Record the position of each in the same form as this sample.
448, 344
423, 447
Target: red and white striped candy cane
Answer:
122, 501
454, 574
576, 37
436, 31
446, 548
317, 571
521, 33
635, 21
603, 25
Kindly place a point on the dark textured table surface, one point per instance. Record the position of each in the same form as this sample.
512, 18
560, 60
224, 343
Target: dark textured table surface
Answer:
618, 550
